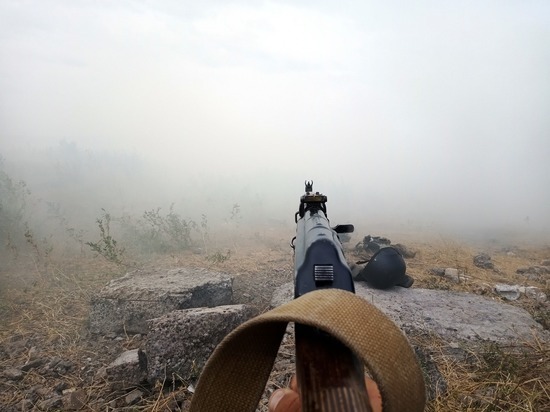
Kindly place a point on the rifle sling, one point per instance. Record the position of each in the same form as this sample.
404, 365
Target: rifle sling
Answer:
235, 376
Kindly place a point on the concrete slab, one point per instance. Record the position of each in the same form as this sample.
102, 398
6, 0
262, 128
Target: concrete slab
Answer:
454, 316
126, 303
180, 343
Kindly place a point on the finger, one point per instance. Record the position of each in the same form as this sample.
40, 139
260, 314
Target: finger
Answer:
373, 392
294, 383
284, 400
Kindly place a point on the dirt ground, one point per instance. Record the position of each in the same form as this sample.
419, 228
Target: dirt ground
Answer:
49, 361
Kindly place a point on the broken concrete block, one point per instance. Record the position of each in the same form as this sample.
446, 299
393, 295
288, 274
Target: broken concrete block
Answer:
508, 292
129, 369
179, 343
125, 304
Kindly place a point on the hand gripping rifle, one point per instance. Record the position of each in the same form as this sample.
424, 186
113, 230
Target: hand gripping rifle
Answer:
330, 376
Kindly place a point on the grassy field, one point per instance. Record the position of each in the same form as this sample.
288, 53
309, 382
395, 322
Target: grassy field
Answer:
44, 305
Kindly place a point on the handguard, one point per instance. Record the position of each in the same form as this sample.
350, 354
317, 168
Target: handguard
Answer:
319, 260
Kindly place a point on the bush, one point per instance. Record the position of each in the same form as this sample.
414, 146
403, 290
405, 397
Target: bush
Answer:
106, 246
13, 199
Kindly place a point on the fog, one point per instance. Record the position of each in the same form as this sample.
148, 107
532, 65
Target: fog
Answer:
412, 115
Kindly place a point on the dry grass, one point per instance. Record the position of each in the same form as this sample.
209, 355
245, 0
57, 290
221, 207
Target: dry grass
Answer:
43, 312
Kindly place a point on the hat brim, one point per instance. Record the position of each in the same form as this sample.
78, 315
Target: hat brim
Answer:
406, 281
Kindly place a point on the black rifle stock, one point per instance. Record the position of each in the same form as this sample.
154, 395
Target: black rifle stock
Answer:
330, 376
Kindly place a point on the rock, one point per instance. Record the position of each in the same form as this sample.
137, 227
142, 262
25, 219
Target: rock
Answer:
129, 369
32, 354
371, 244
33, 364
125, 304
483, 261
536, 273
41, 391
133, 397
180, 342
53, 403
437, 271
58, 367
537, 270
533, 293
454, 316
508, 292
545, 262
404, 250
74, 400
13, 374
63, 388
452, 275
101, 373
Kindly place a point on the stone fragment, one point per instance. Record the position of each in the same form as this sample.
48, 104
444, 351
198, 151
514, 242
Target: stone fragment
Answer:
133, 397
437, 271
180, 342
42, 391
75, 400
125, 304
61, 387
538, 270
129, 369
32, 354
534, 293
508, 292
101, 373
58, 366
33, 364
53, 403
483, 261
405, 251
452, 275
13, 374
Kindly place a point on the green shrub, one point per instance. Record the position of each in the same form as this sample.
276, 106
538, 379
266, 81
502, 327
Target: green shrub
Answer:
106, 246
13, 201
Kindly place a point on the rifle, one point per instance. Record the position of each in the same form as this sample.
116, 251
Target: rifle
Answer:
330, 376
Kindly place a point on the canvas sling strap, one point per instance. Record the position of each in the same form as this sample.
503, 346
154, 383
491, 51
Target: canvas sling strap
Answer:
235, 376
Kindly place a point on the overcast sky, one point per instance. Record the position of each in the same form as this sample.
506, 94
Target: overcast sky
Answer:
439, 108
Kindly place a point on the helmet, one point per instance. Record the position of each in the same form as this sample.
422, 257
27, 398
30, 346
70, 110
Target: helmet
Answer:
385, 269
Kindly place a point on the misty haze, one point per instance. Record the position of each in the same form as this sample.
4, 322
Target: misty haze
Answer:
139, 135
